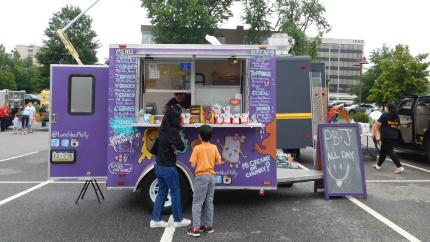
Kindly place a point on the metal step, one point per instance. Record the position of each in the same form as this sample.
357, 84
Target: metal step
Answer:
297, 175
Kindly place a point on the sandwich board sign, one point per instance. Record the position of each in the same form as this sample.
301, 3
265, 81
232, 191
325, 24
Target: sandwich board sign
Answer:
339, 146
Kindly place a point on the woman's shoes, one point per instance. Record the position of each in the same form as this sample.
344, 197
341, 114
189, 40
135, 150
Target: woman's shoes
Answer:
376, 167
399, 170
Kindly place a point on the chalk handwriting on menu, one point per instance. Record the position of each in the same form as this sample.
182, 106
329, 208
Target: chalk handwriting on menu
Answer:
340, 154
262, 88
122, 92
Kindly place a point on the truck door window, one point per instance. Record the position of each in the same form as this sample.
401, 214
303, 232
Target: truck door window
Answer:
81, 95
406, 107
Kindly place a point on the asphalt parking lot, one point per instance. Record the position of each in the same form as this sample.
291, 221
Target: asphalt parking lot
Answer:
48, 211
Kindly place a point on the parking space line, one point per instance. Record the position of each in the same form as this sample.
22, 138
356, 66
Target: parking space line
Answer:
383, 219
397, 181
19, 156
416, 167
378, 216
168, 231
11, 198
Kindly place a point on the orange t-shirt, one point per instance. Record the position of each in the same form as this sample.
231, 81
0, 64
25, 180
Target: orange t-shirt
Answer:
204, 158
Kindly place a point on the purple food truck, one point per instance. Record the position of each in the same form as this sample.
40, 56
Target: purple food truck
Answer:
105, 118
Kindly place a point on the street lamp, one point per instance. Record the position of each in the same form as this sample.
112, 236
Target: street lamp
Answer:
360, 62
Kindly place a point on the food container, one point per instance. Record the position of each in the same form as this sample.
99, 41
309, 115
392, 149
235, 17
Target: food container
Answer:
244, 118
219, 119
235, 119
227, 118
147, 118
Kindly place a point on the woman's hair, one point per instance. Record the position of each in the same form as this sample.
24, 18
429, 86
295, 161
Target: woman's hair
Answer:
172, 117
392, 109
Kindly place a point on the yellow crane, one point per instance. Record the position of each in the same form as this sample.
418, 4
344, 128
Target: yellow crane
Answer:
62, 35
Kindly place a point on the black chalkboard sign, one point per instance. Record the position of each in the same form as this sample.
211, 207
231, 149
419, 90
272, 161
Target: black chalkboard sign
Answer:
340, 149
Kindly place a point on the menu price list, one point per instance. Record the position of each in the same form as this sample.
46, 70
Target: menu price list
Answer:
262, 89
122, 91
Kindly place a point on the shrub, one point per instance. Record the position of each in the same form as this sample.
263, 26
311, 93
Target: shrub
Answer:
361, 117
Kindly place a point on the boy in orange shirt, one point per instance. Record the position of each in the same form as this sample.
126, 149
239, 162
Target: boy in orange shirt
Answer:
203, 158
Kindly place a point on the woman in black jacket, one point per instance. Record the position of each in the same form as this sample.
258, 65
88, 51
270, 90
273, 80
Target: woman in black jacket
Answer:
388, 124
169, 141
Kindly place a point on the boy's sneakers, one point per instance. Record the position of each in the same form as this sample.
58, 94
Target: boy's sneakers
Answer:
376, 167
184, 222
206, 229
399, 170
158, 224
195, 232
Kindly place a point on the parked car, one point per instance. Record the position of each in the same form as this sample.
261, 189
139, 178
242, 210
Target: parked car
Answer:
365, 108
345, 103
414, 112
31, 98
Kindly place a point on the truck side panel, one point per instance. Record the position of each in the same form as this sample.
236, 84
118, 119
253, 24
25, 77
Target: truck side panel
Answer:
294, 113
78, 121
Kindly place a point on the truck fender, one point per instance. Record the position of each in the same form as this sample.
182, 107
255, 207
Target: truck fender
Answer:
185, 170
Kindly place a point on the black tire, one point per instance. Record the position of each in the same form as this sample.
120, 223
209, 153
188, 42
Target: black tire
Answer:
427, 146
145, 190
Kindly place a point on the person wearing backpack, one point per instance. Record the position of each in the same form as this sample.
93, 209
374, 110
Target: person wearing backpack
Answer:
169, 142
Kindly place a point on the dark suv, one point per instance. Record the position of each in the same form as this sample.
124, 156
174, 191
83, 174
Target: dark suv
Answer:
414, 112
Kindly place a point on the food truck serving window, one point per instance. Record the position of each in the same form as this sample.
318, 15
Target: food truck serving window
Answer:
81, 94
167, 76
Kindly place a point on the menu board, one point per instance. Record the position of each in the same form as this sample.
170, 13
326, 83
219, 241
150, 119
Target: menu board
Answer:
340, 149
122, 91
262, 84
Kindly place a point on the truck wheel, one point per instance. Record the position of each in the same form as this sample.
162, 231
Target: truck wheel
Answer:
149, 191
427, 146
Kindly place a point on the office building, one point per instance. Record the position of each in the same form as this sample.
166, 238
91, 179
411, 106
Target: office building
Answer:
28, 51
340, 57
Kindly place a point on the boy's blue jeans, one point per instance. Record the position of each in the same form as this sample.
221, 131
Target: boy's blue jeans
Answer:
168, 179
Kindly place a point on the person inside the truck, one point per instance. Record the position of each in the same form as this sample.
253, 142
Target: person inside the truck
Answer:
169, 142
389, 124
183, 99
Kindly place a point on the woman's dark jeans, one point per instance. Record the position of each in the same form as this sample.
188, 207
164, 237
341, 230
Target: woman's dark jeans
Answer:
168, 179
387, 149
24, 121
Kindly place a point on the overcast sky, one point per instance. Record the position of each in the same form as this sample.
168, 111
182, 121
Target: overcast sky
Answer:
118, 21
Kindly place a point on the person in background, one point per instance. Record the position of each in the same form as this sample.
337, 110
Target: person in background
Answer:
169, 142
32, 116
204, 158
388, 124
183, 99
42, 112
15, 122
4, 117
25, 118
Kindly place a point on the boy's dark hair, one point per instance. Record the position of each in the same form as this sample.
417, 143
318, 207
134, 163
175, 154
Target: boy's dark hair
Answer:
205, 132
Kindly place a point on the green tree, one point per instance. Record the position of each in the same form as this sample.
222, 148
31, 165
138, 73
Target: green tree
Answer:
256, 16
296, 18
80, 34
7, 79
186, 21
374, 71
26, 75
401, 74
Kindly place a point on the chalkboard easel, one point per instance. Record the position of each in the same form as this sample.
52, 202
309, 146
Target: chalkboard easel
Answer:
339, 149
